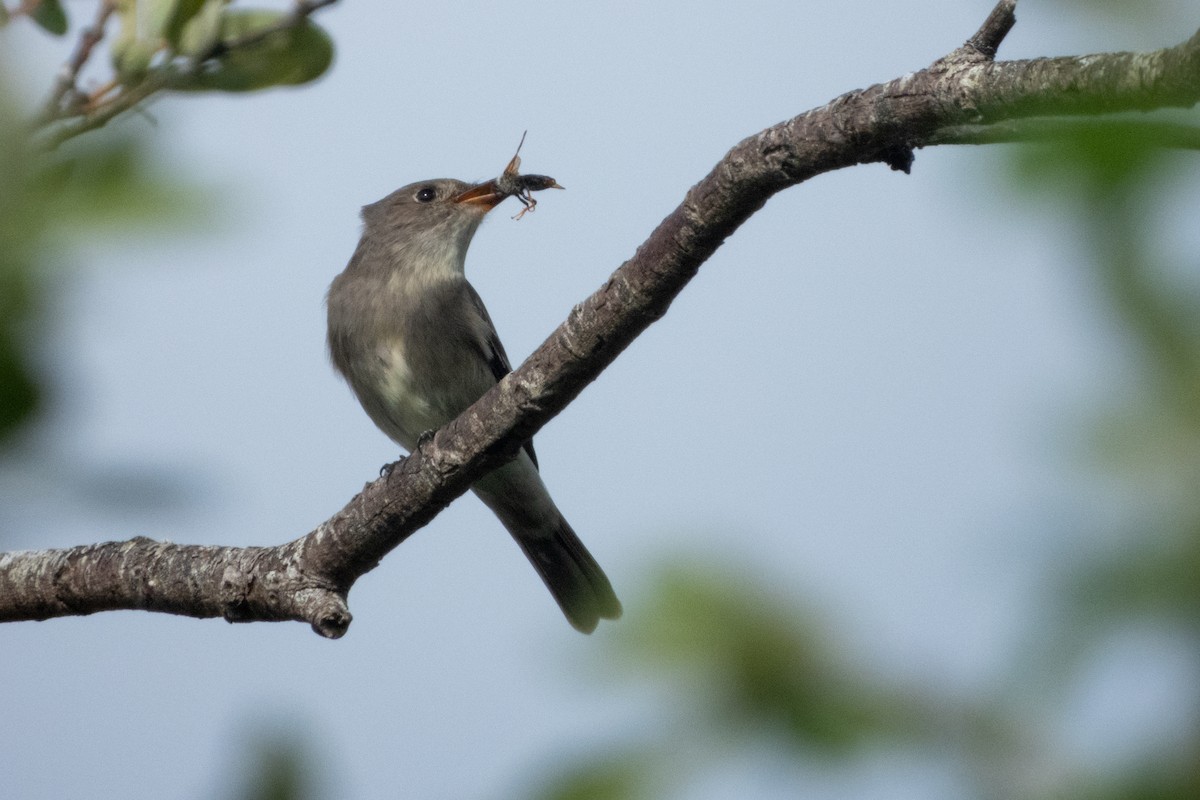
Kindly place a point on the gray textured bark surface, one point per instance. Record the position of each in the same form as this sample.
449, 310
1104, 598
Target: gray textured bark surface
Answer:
307, 579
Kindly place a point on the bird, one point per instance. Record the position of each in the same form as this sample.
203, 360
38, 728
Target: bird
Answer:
415, 343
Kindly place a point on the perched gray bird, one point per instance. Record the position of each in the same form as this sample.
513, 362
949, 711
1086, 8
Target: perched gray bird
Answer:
416, 345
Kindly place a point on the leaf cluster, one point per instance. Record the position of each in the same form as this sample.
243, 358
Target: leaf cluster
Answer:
179, 45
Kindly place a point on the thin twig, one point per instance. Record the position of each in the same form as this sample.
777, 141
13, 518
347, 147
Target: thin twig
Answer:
988, 38
69, 73
26, 8
99, 116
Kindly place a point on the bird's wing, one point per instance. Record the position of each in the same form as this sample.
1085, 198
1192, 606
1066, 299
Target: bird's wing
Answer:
494, 352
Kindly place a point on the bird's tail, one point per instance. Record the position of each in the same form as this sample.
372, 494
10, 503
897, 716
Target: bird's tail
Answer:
516, 494
572, 576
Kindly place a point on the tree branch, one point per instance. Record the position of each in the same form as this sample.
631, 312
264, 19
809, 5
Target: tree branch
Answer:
307, 579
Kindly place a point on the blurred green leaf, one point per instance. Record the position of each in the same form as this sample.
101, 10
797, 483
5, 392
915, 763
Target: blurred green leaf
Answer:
1091, 158
131, 57
760, 663
182, 12
156, 17
1106, 181
280, 770
1160, 579
201, 30
20, 396
293, 56
1109, 175
148, 27
1156, 781
48, 202
106, 183
748, 671
49, 15
626, 777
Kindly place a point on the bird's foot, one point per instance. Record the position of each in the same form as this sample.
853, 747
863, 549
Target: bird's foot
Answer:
387, 469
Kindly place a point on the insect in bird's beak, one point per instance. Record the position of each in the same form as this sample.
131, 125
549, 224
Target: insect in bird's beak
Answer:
510, 182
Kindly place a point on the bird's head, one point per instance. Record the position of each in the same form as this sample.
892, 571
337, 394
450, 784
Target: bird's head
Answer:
434, 217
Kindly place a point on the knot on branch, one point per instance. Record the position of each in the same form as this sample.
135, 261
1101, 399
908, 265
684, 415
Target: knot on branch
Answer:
261, 593
326, 611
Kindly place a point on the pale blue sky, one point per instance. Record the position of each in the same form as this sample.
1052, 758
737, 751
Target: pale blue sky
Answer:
870, 396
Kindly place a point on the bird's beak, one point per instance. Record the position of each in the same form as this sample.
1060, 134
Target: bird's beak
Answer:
485, 195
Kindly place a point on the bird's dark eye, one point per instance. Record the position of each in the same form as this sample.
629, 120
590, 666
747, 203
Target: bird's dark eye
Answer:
426, 194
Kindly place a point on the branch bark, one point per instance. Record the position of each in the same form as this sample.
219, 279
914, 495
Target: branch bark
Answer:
308, 578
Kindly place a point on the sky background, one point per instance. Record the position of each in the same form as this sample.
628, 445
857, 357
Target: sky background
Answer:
874, 397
